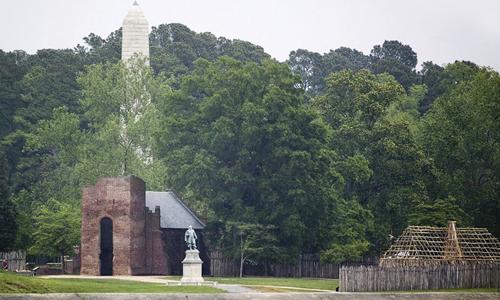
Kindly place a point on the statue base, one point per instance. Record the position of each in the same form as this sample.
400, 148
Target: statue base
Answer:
191, 267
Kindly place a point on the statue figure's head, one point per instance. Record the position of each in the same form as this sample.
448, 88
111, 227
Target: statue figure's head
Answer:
190, 227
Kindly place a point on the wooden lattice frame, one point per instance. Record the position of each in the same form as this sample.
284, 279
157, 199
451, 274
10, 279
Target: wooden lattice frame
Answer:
425, 244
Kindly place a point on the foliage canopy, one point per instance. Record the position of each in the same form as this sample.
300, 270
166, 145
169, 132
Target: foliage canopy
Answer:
326, 153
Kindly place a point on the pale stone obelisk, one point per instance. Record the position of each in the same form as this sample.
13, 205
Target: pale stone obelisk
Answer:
135, 33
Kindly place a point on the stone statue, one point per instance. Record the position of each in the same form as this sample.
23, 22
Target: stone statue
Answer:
190, 238
191, 265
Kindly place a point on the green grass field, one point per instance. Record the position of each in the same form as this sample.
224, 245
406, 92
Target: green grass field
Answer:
306, 283
309, 283
12, 283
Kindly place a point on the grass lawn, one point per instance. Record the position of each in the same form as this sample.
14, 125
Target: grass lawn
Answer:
12, 283
307, 283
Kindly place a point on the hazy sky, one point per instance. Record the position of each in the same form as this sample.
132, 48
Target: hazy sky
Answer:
439, 30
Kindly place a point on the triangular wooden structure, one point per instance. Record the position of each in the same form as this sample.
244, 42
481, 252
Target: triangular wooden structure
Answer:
420, 245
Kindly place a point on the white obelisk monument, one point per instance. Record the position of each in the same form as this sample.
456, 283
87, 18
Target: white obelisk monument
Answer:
135, 33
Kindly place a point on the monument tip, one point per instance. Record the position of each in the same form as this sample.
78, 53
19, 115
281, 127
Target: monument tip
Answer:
135, 3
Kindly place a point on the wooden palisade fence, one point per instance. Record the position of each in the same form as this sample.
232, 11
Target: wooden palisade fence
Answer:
440, 276
16, 259
222, 266
307, 265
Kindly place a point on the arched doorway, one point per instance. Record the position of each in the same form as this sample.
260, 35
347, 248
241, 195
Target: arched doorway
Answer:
106, 255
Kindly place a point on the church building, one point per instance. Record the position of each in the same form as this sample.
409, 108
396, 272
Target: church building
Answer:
127, 230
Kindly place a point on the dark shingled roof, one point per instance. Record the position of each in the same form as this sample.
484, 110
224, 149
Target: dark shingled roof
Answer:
174, 214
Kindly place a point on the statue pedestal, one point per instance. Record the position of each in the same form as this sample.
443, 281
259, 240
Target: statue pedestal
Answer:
191, 267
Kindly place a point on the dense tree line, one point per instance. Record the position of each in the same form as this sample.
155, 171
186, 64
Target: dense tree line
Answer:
326, 153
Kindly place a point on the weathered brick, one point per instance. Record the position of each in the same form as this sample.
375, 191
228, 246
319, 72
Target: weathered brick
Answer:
122, 200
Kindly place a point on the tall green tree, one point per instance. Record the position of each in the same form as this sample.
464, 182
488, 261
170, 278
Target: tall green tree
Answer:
438, 213
399, 165
13, 66
100, 50
313, 67
347, 234
8, 215
112, 138
357, 98
395, 50
57, 229
50, 83
251, 242
440, 80
461, 133
175, 47
61, 133
396, 59
345, 58
381, 162
114, 135
240, 145
432, 76
308, 65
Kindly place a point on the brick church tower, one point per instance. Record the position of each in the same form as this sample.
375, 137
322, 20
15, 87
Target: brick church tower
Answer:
113, 221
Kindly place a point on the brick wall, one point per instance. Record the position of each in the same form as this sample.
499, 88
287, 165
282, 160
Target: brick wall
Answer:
122, 199
156, 261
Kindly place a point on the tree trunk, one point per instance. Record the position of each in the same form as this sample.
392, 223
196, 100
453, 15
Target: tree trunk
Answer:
62, 263
242, 257
242, 262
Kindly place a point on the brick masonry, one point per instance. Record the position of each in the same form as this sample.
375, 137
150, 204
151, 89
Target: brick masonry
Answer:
156, 261
138, 247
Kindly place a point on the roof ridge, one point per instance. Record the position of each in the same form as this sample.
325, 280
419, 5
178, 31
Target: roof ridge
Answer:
174, 212
186, 207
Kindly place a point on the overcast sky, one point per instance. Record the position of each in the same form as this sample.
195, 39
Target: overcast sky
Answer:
439, 30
